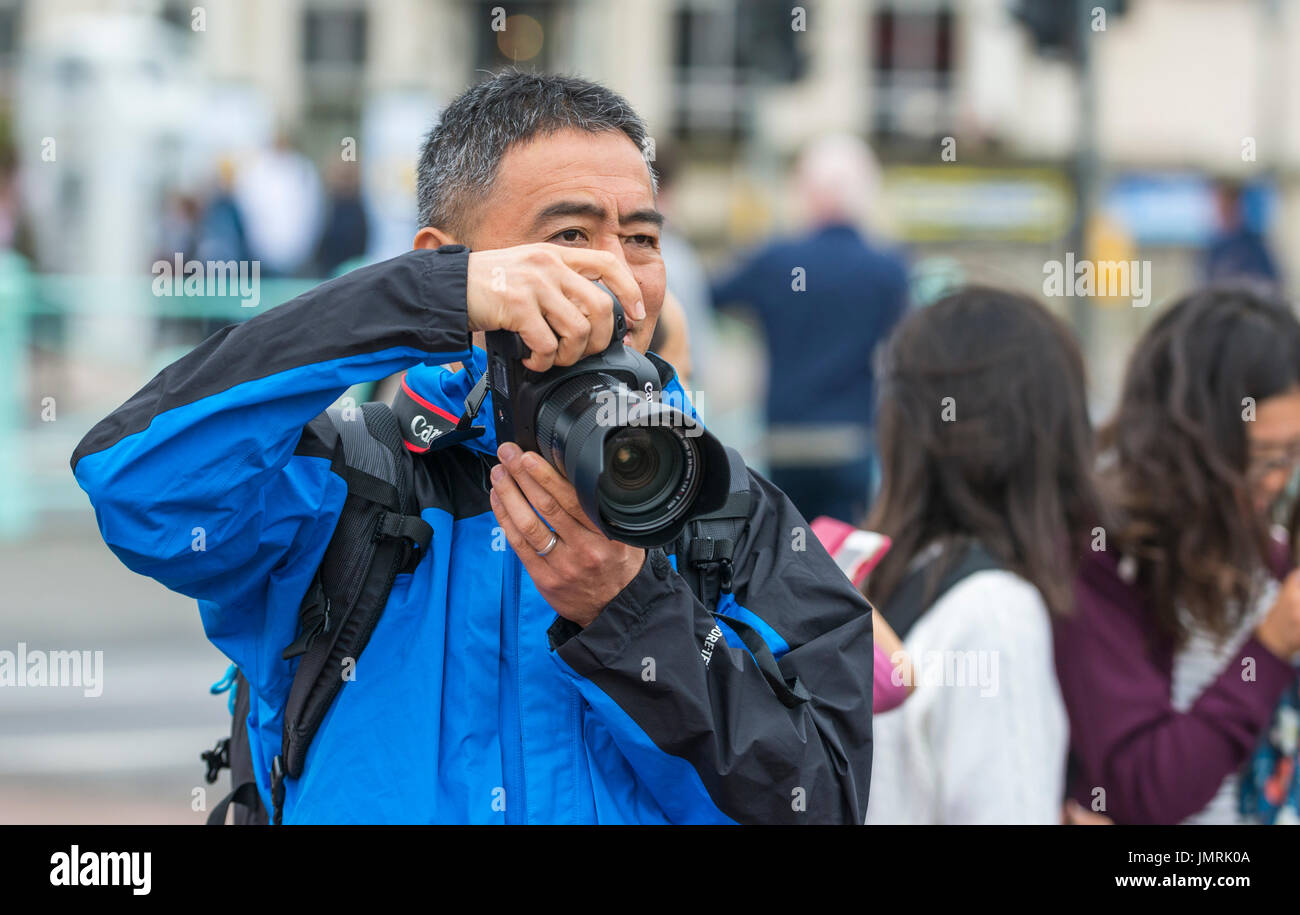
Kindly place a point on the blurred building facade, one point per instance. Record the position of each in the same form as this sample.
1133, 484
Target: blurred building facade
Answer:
1182, 83
979, 132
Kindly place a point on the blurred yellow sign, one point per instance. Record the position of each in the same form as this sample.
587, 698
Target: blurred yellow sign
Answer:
949, 202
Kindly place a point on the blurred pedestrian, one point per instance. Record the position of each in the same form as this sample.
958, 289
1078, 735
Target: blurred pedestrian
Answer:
1178, 654
985, 447
221, 233
825, 300
279, 193
178, 227
346, 229
1238, 249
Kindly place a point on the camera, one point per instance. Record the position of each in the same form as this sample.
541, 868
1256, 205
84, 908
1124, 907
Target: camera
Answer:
642, 468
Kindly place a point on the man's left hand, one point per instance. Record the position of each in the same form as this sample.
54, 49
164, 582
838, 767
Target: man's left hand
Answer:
584, 570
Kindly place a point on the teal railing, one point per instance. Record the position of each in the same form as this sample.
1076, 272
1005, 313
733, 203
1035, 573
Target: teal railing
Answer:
37, 310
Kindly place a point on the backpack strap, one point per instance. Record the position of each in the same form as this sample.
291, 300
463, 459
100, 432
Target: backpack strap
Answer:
379, 535
234, 751
919, 590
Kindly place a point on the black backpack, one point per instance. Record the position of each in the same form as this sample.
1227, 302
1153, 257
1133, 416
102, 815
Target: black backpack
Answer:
922, 587
380, 534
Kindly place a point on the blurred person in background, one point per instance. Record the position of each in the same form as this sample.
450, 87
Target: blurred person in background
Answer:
221, 234
346, 234
178, 236
1238, 249
279, 193
687, 280
178, 227
825, 300
985, 448
1180, 648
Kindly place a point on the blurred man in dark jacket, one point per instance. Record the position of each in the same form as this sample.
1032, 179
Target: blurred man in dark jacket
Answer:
825, 300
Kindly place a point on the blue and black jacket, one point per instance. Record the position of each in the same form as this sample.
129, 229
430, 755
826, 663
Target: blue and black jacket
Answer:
473, 702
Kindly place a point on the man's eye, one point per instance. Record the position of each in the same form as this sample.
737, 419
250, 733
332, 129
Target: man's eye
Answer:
645, 241
570, 235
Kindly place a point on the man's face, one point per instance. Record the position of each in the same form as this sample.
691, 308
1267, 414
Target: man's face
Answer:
582, 190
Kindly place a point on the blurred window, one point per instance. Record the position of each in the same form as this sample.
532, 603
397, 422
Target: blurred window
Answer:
723, 51
179, 13
334, 58
334, 37
9, 10
531, 39
912, 69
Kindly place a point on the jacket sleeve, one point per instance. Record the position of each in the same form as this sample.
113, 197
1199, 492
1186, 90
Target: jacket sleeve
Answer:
689, 706
1154, 763
208, 481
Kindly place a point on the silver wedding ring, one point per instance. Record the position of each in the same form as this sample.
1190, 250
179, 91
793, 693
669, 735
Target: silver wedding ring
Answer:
550, 546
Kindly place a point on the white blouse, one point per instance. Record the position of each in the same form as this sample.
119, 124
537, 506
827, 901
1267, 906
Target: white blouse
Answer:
984, 737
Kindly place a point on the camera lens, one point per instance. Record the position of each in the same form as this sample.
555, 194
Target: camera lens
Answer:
643, 469
639, 466
632, 459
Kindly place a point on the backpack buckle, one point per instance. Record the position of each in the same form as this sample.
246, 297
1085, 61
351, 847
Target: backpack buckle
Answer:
217, 758
313, 625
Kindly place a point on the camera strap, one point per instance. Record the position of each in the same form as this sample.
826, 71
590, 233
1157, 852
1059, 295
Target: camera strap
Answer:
427, 427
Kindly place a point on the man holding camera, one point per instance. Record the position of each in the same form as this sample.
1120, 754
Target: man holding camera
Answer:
527, 668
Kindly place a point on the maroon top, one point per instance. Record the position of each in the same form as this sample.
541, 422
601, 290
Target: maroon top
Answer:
1156, 765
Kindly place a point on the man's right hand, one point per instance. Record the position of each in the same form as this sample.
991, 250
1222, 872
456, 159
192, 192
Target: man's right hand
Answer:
546, 294
1280, 629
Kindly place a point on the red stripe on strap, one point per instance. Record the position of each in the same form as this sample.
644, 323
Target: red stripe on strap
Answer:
428, 406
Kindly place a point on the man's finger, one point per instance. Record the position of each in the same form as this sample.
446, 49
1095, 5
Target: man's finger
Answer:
611, 271
536, 534
538, 571
598, 309
532, 467
569, 323
540, 340
541, 497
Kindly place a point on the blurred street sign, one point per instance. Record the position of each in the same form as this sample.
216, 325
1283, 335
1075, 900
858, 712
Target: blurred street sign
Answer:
1179, 208
959, 202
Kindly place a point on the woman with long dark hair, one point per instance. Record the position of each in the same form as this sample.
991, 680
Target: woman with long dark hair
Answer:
986, 454
1177, 655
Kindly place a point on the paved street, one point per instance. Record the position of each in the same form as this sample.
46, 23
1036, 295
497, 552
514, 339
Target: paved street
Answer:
130, 755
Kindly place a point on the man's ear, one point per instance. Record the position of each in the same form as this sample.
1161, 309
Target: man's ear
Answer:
431, 237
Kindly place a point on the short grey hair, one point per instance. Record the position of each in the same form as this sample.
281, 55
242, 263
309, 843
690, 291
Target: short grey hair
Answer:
462, 153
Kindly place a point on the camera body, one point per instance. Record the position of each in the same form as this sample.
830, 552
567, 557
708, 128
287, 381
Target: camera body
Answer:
518, 392
641, 468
